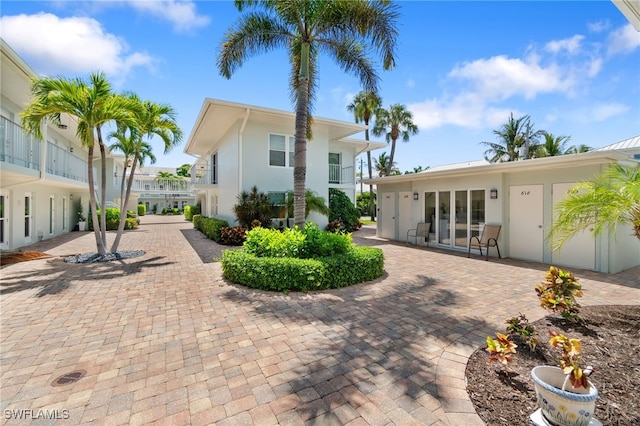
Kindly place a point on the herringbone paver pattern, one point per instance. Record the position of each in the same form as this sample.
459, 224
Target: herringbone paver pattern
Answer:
165, 340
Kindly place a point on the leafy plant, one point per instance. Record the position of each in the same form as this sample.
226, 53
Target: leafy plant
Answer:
233, 236
501, 349
571, 360
558, 292
520, 326
190, 211
252, 206
142, 209
342, 209
80, 213
210, 226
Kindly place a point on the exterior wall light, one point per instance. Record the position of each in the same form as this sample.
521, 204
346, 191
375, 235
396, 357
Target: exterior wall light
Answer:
415, 196
493, 194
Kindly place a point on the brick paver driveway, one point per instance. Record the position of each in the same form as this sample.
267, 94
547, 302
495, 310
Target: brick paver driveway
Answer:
163, 338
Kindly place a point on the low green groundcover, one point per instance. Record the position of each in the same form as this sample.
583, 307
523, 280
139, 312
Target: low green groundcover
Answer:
359, 264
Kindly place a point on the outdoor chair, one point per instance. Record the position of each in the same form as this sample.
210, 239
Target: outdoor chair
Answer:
421, 231
489, 238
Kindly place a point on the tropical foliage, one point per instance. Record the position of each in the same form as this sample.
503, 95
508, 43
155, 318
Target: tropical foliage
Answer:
253, 208
343, 214
364, 106
612, 198
384, 167
552, 145
516, 133
345, 30
394, 123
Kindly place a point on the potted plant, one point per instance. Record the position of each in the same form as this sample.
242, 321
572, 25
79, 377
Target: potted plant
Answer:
82, 221
565, 395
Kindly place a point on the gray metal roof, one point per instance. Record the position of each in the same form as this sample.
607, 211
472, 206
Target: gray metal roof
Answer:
633, 142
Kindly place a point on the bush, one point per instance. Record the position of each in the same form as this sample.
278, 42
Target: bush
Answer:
175, 210
142, 210
190, 211
211, 227
343, 210
233, 236
112, 215
357, 265
363, 203
253, 206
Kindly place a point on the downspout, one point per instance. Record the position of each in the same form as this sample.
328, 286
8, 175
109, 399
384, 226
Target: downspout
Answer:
240, 135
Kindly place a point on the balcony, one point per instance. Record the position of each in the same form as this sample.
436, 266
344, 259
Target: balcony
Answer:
62, 163
202, 175
340, 175
158, 186
17, 147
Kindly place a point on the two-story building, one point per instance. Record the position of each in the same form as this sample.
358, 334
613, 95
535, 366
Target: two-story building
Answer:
240, 146
43, 181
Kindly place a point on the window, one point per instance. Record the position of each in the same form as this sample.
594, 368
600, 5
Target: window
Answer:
281, 150
279, 202
27, 216
51, 214
3, 221
214, 169
64, 214
335, 168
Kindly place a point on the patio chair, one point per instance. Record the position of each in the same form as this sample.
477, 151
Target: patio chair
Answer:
489, 238
420, 231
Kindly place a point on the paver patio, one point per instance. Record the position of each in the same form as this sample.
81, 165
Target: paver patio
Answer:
165, 340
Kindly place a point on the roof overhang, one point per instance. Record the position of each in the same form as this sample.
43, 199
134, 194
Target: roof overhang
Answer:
217, 117
631, 10
570, 160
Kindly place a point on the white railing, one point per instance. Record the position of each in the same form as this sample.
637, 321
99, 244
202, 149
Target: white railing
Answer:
202, 175
60, 162
340, 175
17, 147
162, 185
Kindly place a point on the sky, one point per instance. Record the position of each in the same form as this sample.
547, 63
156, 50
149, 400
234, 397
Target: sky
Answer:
461, 67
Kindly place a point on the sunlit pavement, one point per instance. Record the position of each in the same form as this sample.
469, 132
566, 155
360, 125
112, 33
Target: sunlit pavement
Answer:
163, 339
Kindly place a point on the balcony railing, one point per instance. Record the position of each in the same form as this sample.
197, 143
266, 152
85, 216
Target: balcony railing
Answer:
17, 147
162, 185
340, 175
60, 162
203, 175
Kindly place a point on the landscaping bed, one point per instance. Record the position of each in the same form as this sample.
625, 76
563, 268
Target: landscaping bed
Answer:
610, 337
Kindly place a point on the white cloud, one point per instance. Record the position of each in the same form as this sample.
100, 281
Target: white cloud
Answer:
56, 45
570, 45
623, 40
603, 112
500, 77
182, 14
411, 83
599, 26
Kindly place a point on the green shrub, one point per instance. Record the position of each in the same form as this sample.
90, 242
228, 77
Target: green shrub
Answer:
196, 221
319, 243
263, 242
190, 211
233, 236
363, 203
357, 265
211, 227
175, 210
342, 209
142, 210
253, 206
131, 223
112, 215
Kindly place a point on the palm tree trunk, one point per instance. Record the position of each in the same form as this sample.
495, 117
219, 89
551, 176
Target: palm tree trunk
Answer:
372, 210
300, 147
393, 151
103, 189
125, 202
102, 250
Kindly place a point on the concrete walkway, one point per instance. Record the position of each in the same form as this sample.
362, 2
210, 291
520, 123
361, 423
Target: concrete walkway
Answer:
163, 339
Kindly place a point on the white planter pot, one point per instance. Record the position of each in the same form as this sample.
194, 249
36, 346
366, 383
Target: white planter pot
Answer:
562, 407
82, 226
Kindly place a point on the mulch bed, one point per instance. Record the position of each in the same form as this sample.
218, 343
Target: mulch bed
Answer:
11, 258
610, 337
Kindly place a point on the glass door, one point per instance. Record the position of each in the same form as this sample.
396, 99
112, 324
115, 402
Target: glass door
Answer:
444, 221
461, 227
4, 243
477, 213
430, 213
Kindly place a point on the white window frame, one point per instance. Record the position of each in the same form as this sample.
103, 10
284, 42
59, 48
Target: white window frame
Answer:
28, 217
214, 168
65, 213
4, 221
52, 214
288, 152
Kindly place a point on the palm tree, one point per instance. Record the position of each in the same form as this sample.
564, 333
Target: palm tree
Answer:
384, 167
94, 105
313, 203
577, 149
394, 123
513, 135
135, 153
342, 29
612, 198
184, 170
363, 106
552, 145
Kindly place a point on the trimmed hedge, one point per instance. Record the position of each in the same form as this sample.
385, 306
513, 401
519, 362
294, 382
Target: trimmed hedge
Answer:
210, 226
357, 265
142, 209
190, 211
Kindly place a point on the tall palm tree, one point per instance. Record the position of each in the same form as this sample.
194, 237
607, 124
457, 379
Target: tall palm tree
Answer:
394, 123
313, 203
577, 149
384, 167
135, 151
516, 133
363, 106
94, 105
552, 145
342, 29
610, 199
